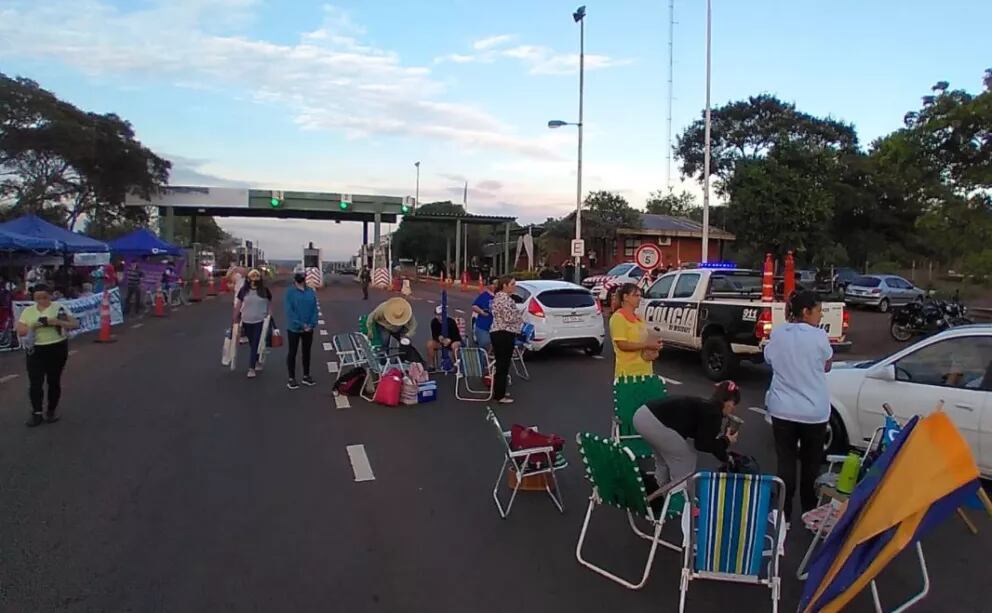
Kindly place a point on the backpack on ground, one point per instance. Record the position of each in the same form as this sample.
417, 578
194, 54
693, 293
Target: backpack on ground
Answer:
350, 381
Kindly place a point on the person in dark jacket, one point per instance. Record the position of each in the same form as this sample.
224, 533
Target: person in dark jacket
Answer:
668, 423
301, 319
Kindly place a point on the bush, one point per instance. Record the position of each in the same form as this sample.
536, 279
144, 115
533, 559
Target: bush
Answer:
526, 275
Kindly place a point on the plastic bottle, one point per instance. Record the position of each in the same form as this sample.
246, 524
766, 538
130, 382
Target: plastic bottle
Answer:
848, 477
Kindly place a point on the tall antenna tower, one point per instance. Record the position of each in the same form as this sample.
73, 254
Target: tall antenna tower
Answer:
671, 88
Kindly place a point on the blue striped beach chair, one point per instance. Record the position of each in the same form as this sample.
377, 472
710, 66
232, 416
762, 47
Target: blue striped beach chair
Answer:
473, 365
729, 536
616, 481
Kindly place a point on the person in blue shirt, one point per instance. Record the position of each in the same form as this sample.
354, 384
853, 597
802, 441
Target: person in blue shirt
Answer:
483, 317
301, 319
798, 400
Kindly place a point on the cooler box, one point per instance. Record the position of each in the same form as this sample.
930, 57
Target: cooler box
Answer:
427, 391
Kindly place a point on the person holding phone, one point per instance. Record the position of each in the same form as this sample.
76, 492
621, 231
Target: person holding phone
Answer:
668, 423
47, 325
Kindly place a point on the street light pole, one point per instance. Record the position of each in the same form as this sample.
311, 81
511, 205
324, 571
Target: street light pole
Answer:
706, 142
579, 16
416, 197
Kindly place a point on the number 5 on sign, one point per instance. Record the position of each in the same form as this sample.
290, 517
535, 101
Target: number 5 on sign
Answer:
578, 247
648, 256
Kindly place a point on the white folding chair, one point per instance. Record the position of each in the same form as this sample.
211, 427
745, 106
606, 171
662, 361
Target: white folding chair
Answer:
524, 463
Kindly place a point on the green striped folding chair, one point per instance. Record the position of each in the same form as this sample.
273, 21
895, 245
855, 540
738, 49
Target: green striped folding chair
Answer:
616, 481
629, 394
728, 535
473, 365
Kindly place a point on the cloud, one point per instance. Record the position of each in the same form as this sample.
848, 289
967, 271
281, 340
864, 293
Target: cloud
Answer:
492, 41
489, 186
538, 59
198, 49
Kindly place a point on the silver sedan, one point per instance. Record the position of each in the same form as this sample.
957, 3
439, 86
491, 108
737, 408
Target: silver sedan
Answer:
881, 292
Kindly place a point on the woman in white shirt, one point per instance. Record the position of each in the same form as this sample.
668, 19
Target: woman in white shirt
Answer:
798, 400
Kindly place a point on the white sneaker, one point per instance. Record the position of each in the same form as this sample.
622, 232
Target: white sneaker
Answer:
251, 374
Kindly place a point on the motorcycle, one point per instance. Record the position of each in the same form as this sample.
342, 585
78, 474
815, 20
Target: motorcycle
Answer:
925, 318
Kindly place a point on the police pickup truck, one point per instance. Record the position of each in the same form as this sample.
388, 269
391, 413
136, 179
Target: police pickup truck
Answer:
719, 313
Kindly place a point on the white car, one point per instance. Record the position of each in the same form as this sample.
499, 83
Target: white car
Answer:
563, 315
953, 367
603, 285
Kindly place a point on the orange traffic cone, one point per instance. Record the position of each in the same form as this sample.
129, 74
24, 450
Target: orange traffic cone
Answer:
159, 304
195, 295
211, 288
768, 280
105, 336
789, 287
481, 282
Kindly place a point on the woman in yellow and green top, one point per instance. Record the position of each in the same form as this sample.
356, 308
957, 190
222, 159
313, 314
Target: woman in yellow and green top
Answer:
47, 325
635, 352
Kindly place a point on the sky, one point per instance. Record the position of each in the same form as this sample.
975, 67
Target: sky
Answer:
346, 97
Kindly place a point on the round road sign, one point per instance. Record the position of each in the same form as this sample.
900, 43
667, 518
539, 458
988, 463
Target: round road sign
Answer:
648, 256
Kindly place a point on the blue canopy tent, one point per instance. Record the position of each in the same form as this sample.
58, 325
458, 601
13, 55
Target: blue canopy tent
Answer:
143, 242
71, 242
14, 241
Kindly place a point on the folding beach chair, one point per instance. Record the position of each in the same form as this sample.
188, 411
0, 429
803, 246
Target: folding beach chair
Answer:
525, 463
616, 480
376, 363
344, 346
629, 394
473, 365
520, 347
731, 536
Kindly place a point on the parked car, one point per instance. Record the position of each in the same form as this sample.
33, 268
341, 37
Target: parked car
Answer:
843, 277
563, 315
882, 292
603, 286
953, 367
806, 279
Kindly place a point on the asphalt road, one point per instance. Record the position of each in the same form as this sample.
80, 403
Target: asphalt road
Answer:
173, 484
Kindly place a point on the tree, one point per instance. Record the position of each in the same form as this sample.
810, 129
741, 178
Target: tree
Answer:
427, 242
750, 129
71, 164
604, 213
780, 203
682, 204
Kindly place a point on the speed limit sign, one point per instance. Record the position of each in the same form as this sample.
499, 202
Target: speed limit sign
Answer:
648, 256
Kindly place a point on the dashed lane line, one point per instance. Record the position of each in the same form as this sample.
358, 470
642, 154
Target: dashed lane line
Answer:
332, 367
136, 326
7, 378
320, 322
323, 332
758, 410
672, 381
341, 402
327, 346
73, 351
360, 463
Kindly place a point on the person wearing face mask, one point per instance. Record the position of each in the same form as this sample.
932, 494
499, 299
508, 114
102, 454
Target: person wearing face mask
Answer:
798, 399
253, 306
301, 319
46, 324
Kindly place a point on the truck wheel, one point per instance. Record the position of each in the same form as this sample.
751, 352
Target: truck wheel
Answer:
719, 361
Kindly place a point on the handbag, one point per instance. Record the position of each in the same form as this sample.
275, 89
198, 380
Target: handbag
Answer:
522, 437
225, 356
276, 339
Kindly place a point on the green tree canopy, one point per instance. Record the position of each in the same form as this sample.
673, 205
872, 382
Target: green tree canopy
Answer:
682, 204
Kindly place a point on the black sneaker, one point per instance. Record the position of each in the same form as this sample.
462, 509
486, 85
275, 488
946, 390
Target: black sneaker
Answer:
52, 417
307, 380
36, 420
292, 384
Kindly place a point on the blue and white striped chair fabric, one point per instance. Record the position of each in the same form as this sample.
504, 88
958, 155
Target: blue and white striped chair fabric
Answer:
473, 365
731, 537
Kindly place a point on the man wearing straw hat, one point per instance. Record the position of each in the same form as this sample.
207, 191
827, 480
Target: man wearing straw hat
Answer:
392, 319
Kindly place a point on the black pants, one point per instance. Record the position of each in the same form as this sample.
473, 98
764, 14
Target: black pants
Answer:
802, 443
365, 291
46, 362
133, 294
503, 351
294, 342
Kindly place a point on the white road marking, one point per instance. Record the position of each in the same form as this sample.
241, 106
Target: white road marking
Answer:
360, 463
757, 410
598, 357
323, 332
431, 301
672, 381
7, 378
73, 351
341, 402
320, 321
459, 311
327, 346
136, 326
332, 367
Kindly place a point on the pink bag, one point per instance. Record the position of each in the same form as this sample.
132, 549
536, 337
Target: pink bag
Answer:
389, 389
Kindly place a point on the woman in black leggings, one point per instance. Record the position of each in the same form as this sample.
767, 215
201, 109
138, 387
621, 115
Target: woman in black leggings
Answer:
46, 325
507, 322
